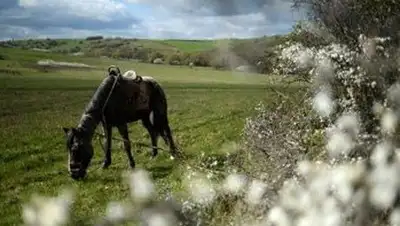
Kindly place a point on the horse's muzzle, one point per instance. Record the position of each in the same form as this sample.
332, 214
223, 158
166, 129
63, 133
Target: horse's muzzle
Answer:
77, 174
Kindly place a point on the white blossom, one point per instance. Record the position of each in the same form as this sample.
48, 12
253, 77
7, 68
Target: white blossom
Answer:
255, 192
339, 143
140, 184
277, 216
115, 211
395, 217
389, 121
201, 190
234, 183
323, 103
48, 210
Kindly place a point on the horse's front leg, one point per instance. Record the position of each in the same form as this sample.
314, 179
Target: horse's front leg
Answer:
123, 130
107, 146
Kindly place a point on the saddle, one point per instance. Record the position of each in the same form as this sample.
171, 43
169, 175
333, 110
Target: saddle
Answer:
137, 91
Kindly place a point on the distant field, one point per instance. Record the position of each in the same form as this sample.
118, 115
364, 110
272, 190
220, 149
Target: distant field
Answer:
159, 45
207, 110
191, 46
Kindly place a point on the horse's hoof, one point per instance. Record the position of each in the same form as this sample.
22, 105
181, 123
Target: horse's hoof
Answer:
106, 165
154, 155
132, 165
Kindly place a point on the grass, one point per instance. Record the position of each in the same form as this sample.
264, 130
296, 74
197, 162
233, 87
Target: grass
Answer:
207, 109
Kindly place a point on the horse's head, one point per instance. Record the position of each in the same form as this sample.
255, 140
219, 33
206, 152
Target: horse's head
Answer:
80, 152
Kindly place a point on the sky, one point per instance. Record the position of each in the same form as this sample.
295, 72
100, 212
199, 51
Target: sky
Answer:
155, 19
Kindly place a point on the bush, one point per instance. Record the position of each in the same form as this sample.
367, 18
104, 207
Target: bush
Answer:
346, 20
91, 38
202, 59
155, 55
175, 59
142, 54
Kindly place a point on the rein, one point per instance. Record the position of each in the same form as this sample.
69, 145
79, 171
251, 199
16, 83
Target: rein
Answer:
123, 140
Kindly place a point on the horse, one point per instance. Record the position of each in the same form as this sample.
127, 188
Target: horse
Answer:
119, 100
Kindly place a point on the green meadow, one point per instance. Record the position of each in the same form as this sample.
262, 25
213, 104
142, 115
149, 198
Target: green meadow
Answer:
207, 111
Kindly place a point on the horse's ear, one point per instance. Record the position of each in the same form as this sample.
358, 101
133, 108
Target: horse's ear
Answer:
66, 130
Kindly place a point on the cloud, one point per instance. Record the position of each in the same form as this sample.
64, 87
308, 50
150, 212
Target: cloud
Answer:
237, 26
144, 18
36, 16
273, 9
217, 18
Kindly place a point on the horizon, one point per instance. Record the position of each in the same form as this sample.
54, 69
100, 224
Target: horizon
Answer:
145, 19
150, 39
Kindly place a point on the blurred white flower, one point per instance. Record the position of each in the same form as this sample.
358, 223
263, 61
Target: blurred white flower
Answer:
344, 177
305, 59
140, 184
255, 192
294, 197
323, 103
393, 94
368, 47
394, 219
324, 70
339, 144
115, 211
384, 186
157, 219
48, 210
201, 190
234, 183
277, 216
380, 154
389, 121
378, 109
349, 124
305, 168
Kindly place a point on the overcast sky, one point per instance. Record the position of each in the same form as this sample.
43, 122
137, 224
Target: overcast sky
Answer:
186, 19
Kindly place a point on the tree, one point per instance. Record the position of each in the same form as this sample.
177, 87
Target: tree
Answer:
347, 19
356, 23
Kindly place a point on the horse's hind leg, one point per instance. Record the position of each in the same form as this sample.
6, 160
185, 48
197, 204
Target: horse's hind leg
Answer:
167, 135
123, 130
153, 135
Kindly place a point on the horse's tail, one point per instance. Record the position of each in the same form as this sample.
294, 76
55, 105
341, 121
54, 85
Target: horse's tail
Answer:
158, 99
159, 107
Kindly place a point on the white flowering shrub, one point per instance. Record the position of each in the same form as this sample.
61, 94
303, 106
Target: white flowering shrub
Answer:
344, 79
352, 181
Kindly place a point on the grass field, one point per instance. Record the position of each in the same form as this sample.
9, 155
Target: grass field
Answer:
159, 45
207, 110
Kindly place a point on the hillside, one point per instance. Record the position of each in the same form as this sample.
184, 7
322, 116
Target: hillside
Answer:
220, 54
78, 45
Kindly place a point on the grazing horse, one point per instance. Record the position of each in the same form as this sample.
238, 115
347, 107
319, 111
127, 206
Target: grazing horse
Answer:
119, 100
